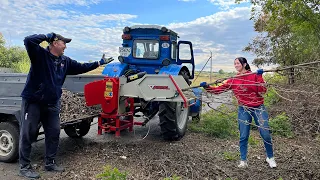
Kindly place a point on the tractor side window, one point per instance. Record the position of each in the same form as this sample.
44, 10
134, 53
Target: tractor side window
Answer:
146, 49
184, 52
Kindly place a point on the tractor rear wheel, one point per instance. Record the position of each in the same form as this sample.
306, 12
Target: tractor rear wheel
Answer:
173, 120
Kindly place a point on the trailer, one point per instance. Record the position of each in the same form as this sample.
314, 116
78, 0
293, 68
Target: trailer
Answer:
11, 86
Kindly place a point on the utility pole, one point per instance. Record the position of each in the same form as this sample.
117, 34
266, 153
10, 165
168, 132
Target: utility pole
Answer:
211, 67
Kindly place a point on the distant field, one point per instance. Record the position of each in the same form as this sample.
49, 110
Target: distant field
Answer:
96, 71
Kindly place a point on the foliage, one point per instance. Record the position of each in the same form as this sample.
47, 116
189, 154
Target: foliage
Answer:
271, 97
22, 66
252, 141
221, 71
281, 125
231, 156
174, 177
289, 32
13, 57
219, 123
112, 174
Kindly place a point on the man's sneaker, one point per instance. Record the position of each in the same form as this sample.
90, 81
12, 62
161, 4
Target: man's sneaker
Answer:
272, 162
243, 164
28, 172
53, 167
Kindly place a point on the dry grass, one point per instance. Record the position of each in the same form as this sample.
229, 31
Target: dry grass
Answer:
96, 71
205, 77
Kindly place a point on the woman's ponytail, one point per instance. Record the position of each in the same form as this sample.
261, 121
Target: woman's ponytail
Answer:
247, 67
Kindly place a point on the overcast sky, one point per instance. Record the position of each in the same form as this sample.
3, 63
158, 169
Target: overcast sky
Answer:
95, 26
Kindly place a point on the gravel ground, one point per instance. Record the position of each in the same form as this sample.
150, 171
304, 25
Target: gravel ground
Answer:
195, 156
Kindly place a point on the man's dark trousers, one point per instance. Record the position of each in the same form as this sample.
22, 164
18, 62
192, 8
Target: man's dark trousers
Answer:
31, 115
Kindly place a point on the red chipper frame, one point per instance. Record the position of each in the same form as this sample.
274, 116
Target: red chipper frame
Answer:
106, 93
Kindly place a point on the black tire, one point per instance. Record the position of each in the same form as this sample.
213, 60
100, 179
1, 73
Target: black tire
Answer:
173, 120
9, 142
78, 130
186, 75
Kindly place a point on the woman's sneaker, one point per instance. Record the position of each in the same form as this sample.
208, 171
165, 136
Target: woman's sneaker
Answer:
243, 164
272, 162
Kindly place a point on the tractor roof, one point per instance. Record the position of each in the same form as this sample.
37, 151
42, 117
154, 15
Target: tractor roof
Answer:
153, 27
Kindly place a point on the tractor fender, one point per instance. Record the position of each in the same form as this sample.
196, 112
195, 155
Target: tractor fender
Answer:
115, 69
173, 69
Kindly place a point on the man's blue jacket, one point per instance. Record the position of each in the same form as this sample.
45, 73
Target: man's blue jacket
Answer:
48, 72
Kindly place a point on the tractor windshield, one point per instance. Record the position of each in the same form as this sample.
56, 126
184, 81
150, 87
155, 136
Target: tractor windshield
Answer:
146, 49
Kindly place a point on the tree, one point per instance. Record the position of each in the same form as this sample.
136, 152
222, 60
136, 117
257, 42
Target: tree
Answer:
221, 71
13, 57
289, 32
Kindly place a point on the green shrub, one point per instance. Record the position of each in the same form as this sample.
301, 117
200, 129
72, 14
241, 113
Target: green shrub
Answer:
252, 141
231, 156
281, 125
271, 97
22, 66
174, 177
112, 174
221, 123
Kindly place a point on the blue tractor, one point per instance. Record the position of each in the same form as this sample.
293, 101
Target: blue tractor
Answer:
156, 50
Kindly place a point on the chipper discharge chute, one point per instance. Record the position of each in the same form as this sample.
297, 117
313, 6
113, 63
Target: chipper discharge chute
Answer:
117, 95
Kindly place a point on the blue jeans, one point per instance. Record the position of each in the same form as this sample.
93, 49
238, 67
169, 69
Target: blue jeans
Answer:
261, 119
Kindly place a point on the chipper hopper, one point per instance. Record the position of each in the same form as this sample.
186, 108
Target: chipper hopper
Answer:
117, 97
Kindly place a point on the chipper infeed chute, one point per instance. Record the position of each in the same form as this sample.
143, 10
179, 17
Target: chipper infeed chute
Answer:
156, 88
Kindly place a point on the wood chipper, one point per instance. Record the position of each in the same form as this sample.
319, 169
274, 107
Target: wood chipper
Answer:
117, 97
155, 50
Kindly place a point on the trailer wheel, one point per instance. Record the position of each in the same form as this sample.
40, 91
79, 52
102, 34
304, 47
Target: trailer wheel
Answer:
78, 130
173, 120
9, 142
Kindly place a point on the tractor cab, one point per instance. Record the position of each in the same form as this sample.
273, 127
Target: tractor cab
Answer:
153, 49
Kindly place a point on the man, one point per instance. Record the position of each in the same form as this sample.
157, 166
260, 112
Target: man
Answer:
41, 97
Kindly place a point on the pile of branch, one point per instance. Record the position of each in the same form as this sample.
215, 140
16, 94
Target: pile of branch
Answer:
301, 102
73, 106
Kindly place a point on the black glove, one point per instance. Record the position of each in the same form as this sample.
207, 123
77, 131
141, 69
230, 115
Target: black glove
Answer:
105, 60
50, 37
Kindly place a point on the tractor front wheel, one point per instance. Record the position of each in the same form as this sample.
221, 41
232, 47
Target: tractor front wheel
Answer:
173, 120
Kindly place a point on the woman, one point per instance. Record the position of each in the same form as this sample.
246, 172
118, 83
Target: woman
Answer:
248, 89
